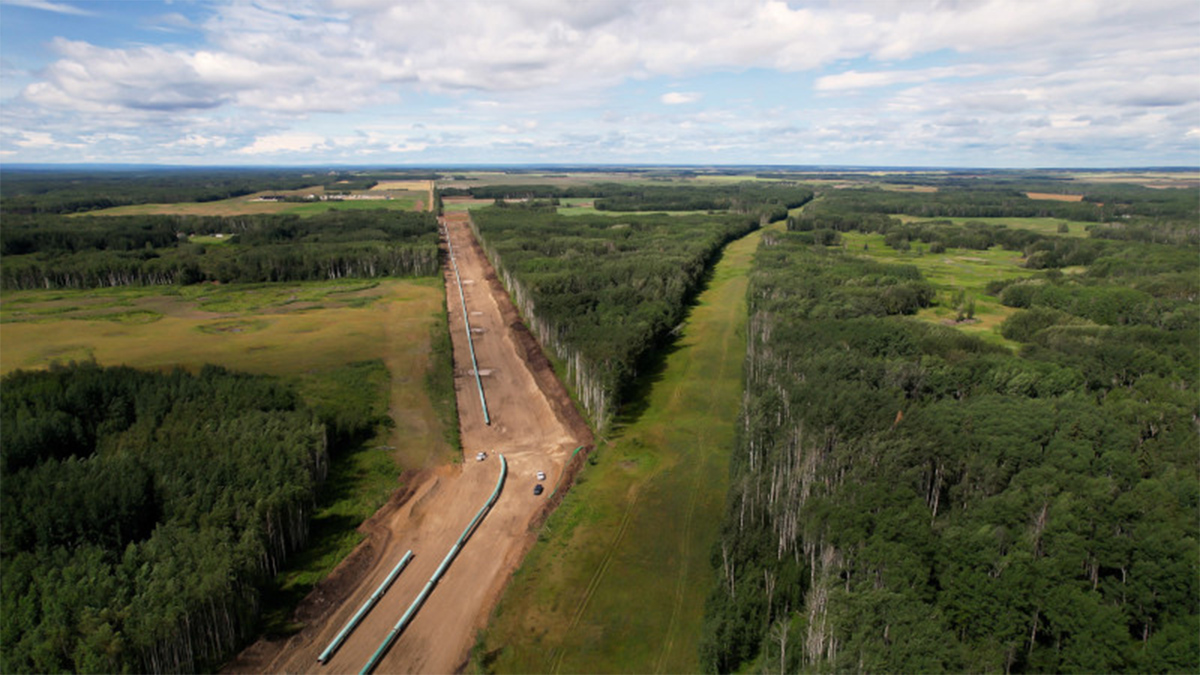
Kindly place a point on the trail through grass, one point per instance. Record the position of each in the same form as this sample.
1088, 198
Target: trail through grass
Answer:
618, 580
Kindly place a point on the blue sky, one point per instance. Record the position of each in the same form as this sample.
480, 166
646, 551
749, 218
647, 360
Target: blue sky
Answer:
985, 83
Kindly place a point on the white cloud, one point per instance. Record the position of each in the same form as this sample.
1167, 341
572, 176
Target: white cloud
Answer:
854, 80
679, 97
41, 140
273, 76
198, 141
56, 7
286, 142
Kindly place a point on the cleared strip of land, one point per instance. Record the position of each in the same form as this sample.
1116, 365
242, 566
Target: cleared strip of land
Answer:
618, 579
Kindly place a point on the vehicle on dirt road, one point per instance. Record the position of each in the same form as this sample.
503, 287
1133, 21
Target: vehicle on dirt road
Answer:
538, 489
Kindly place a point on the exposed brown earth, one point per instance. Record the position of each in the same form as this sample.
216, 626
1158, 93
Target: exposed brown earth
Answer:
1054, 196
534, 424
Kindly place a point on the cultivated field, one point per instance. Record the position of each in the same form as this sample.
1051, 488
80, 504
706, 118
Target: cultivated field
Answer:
618, 579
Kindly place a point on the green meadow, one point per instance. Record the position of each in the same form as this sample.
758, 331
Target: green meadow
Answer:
378, 348
1048, 226
619, 576
952, 272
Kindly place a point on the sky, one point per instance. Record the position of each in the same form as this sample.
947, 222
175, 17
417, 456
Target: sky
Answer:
954, 83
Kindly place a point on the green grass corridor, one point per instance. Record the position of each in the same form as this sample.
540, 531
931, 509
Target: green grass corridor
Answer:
618, 579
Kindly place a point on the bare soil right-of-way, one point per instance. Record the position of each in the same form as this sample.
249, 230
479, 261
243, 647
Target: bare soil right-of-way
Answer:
534, 424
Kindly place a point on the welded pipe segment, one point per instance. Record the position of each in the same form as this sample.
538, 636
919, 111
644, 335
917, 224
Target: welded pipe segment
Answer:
362, 611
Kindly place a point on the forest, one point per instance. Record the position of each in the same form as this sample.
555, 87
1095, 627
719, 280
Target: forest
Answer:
907, 498
30, 191
603, 293
53, 251
1125, 212
144, 512
742, 197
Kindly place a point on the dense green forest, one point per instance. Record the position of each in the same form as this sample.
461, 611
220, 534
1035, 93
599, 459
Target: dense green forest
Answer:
144, 512
32, 191
911, 499
603, 293
58, 191
736, 197
51, 251
1125, 212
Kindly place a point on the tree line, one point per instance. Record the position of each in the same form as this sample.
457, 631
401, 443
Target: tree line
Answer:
28, 191
907, 498
144, 512
86, 252
736, 197
1100, 203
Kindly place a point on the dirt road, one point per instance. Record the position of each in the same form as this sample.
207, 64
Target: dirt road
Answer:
533, 424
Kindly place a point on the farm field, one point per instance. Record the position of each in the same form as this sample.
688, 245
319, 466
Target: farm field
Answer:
635, 531
364, 341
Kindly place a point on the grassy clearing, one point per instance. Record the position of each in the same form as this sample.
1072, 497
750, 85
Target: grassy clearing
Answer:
464, 204
1050, 226
357, 345
618, 580
950, 272
209, 240
351, 205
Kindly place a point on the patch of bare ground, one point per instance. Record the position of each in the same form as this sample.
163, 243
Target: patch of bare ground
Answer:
1054, 196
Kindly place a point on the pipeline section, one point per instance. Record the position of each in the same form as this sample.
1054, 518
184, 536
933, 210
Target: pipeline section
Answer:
467, 323
420, 600
362, 612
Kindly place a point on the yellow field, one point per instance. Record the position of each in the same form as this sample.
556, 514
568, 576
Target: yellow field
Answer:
413, 185
288, 329
1054, 197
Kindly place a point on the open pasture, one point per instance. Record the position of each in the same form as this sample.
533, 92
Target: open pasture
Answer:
453, 204
301, 329
1153, 179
